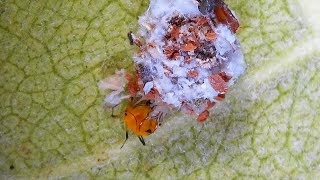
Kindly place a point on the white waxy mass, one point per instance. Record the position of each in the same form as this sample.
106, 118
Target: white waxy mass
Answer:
184, 55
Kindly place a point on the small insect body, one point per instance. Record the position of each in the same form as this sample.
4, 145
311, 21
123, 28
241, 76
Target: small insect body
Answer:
142, 115
137, 119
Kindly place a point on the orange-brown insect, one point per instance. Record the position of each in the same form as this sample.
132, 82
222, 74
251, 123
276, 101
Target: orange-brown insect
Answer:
137, 119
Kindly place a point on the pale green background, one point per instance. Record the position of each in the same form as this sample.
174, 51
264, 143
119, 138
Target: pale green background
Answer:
52, 120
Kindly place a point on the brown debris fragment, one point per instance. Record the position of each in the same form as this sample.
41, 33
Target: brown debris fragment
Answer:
203, 116
225, 77
171, 52
187, 108
220, 97
189, 46
202, 21
187, 59
151, 45
218, 83
210, 36
133, 84
193, 73
175, 32
177, 20
210, 104
152, 94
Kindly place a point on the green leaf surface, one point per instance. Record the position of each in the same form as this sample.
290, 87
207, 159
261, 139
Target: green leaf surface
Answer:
53, 123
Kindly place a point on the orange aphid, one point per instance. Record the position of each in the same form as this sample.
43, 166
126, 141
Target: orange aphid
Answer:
138, 121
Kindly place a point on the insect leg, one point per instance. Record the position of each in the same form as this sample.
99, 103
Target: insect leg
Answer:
142, 140
127, 136
130, 38
112, 112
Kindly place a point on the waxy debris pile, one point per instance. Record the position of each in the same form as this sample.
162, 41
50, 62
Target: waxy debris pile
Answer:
188, 56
